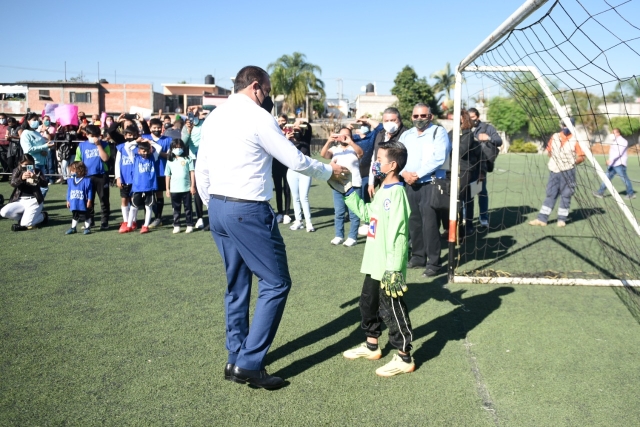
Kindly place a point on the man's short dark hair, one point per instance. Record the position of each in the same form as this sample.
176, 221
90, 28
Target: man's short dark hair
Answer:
92, 130
284, 116
166, 117
392, 110
473, 111
156, 122
248, 75
396, 152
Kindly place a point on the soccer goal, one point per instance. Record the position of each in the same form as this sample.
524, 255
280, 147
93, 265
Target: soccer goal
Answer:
574, 64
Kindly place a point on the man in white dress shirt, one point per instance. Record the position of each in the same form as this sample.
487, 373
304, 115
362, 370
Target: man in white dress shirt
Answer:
233, 173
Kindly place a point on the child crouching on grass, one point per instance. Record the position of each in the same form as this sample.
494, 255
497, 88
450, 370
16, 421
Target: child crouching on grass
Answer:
145, 183
181, 184
79, 196
385, 263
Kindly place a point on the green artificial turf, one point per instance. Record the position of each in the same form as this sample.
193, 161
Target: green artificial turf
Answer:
120, 330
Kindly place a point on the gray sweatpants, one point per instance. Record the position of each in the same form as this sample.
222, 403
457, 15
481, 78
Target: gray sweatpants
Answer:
561, 185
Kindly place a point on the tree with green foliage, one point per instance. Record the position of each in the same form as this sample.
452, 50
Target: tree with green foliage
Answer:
627, 125
445, 80
506, 115
294, 77
410, 90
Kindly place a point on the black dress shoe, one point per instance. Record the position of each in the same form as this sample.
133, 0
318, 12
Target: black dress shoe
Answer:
413, 263
256, 378
228, 371
429, 272
104, 227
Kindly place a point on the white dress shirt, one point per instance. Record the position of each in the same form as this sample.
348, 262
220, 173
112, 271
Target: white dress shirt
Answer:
239, 141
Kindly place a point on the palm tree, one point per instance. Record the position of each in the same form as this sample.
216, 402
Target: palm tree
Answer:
293, 77
445, 80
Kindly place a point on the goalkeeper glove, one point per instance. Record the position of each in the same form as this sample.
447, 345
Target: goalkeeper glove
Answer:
393, 284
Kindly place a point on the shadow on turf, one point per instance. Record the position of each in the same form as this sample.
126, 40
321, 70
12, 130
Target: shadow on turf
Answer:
453, 326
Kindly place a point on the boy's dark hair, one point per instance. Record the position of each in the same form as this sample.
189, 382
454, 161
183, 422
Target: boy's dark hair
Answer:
177, 143
92, 130
166, 116
145, 146
396, 152
133, 130
80, 168
248, 75
155, 121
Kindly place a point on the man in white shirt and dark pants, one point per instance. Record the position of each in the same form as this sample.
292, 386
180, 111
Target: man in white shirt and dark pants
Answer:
617, 164
233, 173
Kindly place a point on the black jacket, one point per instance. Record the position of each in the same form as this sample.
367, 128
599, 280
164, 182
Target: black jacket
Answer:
22, 187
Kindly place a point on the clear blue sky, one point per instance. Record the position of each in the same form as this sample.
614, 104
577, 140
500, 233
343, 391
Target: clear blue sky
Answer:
167, 41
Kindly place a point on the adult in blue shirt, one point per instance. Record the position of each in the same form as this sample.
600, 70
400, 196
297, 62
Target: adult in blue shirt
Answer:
94, 153
428, 147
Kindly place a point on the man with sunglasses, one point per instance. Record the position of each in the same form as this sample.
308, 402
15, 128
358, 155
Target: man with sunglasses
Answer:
233, 174
428, 148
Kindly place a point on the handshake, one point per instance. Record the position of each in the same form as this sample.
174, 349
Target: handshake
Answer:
340, 180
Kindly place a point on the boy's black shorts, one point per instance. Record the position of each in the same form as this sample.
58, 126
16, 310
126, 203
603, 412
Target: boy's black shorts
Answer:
125, 191
79, 215
147, 198
162, 184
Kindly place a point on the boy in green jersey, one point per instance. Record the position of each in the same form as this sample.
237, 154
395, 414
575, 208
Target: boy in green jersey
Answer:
385, 263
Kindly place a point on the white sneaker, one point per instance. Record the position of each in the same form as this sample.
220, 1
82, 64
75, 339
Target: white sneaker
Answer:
337, 240
189, 229
395, 367
484, 222
286, 219
200, 223
176, 230
278, 218
297, 225
363, 230
310, 228
350, 242
155, 223
362, 351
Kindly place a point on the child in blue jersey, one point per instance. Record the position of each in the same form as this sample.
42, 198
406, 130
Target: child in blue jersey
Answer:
124, 177
145, 183
155, 127
94, 153
180, 184
79, 196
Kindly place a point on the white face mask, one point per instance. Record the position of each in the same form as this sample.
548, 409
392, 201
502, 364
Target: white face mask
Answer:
390, 127
364, 129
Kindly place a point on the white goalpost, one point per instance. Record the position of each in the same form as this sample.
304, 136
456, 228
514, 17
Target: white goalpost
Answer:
466, 65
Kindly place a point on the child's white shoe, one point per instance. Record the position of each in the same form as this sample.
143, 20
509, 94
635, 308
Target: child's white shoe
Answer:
336, 240
350, 242
395, 367
189, 229
199, 223
176, 230
297, 225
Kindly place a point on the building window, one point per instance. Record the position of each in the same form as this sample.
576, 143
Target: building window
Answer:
44, 95
76, 97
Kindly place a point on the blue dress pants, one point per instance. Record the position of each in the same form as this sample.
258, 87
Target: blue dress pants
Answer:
250, 243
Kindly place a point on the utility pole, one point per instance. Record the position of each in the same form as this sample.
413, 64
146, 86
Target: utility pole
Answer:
65, 71
98, 70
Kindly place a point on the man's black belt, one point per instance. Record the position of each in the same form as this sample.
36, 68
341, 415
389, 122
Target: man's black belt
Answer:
233, 199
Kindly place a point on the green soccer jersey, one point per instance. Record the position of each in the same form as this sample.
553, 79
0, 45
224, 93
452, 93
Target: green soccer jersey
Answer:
388, 234
180, 171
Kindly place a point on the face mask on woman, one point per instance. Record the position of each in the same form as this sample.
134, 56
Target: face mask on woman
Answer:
34, 124
47, 122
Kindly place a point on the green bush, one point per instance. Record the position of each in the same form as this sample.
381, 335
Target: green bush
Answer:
627, 125
519, 146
